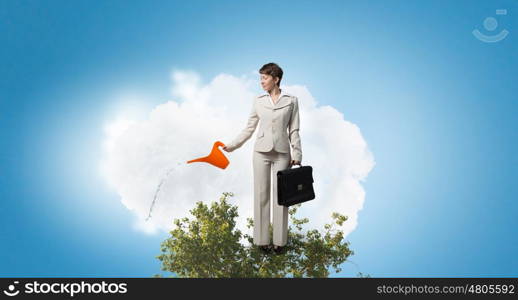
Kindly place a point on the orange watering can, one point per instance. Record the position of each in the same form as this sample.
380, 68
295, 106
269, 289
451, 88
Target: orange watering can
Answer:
215, 158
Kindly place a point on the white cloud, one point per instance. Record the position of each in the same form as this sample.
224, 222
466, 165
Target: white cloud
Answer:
139, 153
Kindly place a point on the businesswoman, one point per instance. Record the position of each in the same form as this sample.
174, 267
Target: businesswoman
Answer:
278, 129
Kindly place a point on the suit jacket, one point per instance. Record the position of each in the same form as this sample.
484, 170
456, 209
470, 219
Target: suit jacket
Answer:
279, 127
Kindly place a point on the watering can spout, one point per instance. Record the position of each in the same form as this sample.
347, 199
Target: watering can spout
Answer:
215, 158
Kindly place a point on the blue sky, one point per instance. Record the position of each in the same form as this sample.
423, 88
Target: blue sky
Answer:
436, 105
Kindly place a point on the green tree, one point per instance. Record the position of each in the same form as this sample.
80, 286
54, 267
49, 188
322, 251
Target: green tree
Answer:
208, 246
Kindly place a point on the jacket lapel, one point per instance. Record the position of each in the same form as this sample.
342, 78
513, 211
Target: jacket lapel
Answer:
285, 100
265, 102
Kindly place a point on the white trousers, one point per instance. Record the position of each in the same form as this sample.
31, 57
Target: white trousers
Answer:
266, 165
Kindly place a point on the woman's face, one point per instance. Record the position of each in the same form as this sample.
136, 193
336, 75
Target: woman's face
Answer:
268, 82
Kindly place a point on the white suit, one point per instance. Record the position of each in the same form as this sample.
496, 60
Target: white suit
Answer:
279, 128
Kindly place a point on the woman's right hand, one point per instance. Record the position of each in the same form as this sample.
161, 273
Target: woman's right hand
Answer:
228, 148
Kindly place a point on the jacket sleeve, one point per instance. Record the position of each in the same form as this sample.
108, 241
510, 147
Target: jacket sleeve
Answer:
293, 132
247, 132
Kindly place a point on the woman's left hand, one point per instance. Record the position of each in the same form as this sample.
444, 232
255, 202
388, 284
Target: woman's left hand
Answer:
295, 162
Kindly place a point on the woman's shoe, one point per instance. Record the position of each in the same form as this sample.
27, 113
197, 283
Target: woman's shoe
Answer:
279, 249
266, 249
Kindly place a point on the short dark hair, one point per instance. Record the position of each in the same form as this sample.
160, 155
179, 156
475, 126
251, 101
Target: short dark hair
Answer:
272, 69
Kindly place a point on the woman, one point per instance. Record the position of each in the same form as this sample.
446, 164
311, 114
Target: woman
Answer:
279, 128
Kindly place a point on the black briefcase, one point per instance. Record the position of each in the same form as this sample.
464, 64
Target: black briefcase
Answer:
295, 185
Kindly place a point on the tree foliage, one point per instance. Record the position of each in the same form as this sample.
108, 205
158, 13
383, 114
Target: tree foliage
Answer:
208, 246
